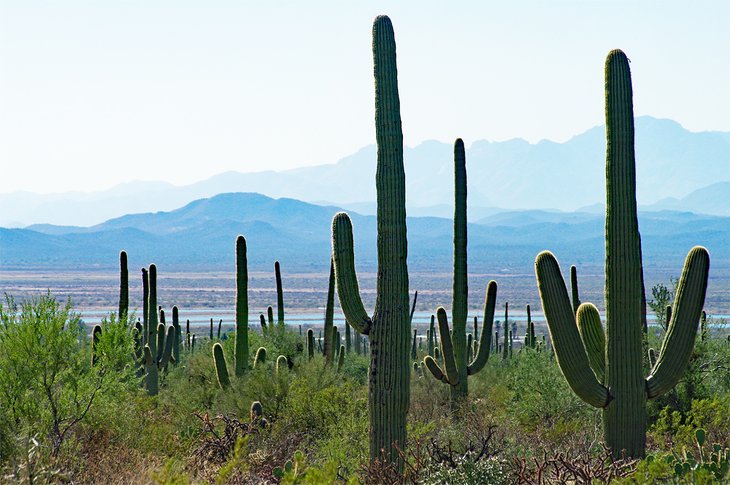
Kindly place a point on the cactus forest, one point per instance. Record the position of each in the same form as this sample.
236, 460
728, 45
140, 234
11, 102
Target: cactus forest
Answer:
632, 388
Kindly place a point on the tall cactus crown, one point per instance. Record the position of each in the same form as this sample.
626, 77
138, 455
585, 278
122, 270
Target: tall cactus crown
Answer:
622, 390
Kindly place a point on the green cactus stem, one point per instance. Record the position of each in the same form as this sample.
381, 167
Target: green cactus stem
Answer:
341, 358
652, 357
192, 346
348, 337
167, 352
145, 302
454, 346
279, 295
257, 411
263, 324
431, 336
211, 329
413, 307
152, 309
703, 326
178, 333
505, 344
414, 345
161, 312
260, 357
310, 343
95, 335
123, 286
624, 406
389, 328
151, 373
329, 313
220, 324
270, 315
221, 369
187, 333
593, 337
476, 329
574, 288
282, 364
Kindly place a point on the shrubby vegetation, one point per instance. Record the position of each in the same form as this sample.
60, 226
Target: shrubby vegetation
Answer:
63, 420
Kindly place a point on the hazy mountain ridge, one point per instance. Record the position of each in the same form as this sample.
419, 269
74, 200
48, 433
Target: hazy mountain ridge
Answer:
203, 232
671, 163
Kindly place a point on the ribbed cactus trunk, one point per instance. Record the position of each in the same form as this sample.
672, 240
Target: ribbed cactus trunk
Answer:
460, 288
389, 328
389, 394
241, 364
152, 309
123, 286
624, 420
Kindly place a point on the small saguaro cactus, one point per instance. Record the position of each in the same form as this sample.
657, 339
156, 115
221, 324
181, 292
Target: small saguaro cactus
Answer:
431, 336
178, 333
454, 345
151, 372
123, 286
260, 357
414, 345
241, 307
152, 309
279, 295
95, 334
310, 343
505, 345
623, 390
341, 358
530, 339
329, 313
145, 302
389, 327
282, 364
221, 369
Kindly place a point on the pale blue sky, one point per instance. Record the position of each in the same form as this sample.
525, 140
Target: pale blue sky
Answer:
95, 93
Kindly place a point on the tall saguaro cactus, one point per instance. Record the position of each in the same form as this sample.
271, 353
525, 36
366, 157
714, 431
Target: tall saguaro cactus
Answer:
241, 307
623, 390
123, 286
454, 347
389, 328
152, 309
329, 315
279, 295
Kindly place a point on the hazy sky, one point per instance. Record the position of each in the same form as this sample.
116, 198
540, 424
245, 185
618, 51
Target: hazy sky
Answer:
95, 93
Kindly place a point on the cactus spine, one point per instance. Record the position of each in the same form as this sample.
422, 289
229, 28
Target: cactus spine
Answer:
389, 328
454, 346
241, 307
623, 392
123, 286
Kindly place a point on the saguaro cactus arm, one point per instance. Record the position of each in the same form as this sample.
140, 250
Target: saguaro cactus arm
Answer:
593, 337
485, 341
569, 350
680, 338
345, 275
449, 374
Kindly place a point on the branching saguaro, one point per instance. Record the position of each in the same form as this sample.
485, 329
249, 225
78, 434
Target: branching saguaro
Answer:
389, 328
609, 375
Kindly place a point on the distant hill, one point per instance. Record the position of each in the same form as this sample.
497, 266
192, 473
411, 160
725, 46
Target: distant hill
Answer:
202, 234
671, 163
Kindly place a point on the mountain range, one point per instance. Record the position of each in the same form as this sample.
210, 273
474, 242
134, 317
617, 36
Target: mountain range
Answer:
202, 233
676, 170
